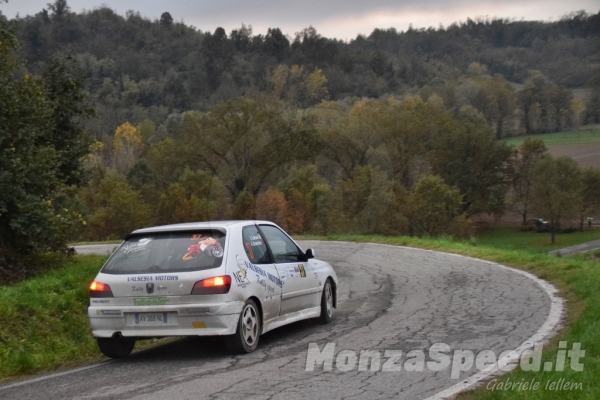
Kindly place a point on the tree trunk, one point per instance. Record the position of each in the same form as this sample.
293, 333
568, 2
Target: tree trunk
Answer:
499, 128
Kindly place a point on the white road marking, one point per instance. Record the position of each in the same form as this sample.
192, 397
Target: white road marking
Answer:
44, 377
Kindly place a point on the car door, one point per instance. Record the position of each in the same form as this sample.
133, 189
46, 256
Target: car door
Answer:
299, 291
257, 268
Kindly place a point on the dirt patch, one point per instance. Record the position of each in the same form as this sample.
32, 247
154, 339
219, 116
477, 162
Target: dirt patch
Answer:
586, 155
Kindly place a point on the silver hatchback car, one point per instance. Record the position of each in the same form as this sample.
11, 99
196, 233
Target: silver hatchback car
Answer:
238, 279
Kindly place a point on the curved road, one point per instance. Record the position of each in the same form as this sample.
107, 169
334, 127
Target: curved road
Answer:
390, 298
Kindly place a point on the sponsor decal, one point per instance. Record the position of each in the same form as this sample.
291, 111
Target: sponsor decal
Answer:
197, 248
139, 278
258, 270
150, 301
302, 271
149, 287
166, 278
149, 278
275, 280
296, 271
255, 240
263, 282
241, 277
135, 247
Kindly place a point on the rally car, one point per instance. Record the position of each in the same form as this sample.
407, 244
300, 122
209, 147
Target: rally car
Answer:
236, 279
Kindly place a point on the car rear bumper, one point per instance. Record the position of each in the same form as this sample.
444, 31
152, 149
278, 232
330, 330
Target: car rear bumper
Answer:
180, 320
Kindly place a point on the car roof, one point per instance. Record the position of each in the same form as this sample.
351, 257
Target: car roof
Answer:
219, 225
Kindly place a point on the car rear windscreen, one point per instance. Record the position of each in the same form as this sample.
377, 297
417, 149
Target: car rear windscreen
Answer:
168, 252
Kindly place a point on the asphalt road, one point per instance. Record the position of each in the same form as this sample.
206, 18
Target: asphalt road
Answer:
390, 298
578, 248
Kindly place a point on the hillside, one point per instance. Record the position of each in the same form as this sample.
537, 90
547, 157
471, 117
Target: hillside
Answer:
139, 69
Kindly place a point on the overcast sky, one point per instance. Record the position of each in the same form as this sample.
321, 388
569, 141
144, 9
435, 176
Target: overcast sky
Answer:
342, 19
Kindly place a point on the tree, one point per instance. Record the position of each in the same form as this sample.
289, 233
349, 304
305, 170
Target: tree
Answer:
469, 158
276, 44
166, 19
590, 193
366, 196
41, 149
175, 206
235, 141
324, 209
298, 86
546, 106
128, 146
59, 9
272, 206
492, 96
218, 52
556, 190
115, 208
64, 86
522, 174
434, 206
244, 206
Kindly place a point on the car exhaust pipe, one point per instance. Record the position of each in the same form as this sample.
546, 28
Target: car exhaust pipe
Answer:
117, 336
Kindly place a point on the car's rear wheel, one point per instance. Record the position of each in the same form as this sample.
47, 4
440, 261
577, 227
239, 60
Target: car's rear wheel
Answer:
326, 303
116, 348
245, 339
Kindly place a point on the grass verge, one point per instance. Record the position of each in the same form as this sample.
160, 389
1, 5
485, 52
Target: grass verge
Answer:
44, 324
578, 280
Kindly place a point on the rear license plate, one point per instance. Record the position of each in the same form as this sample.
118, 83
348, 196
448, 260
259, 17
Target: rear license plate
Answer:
154, 319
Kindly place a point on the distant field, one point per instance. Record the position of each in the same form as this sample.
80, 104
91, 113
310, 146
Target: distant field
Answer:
561, 138
586, 155
582, 146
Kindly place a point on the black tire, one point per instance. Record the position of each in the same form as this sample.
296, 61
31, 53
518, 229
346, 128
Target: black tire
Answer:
245, 339
326, 303
115, 348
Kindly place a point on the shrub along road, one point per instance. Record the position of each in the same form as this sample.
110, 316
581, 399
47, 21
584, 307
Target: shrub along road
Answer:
390, 298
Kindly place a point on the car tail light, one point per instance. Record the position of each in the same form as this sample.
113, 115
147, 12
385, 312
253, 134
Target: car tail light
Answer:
99, 289
214, 285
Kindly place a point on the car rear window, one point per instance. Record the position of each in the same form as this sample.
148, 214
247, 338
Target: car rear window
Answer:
168, 252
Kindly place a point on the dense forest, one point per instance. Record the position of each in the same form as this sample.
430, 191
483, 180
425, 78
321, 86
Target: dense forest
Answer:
138, 69
132, 122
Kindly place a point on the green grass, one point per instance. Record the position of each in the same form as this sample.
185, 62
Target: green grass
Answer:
561, 138
43, 321
578, 280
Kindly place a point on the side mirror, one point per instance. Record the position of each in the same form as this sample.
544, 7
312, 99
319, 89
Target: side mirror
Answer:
310, 253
